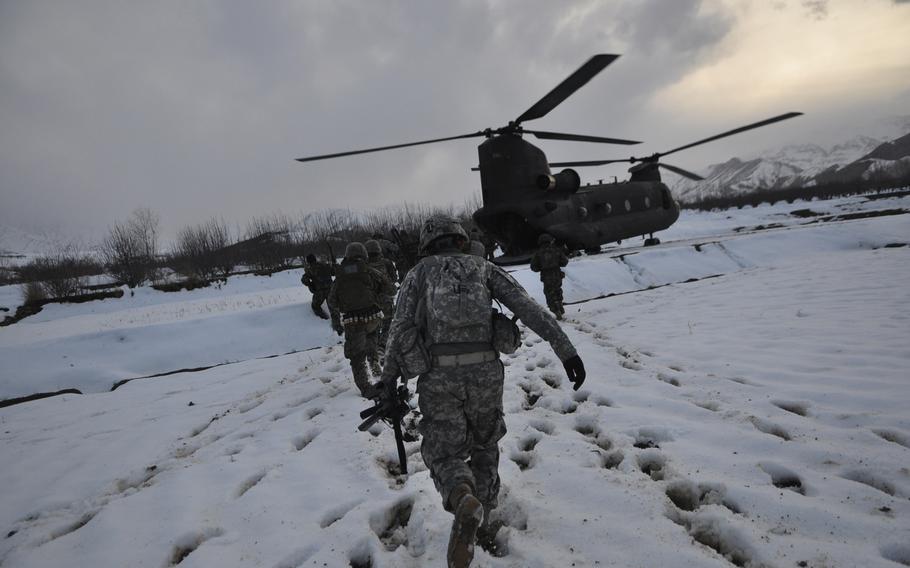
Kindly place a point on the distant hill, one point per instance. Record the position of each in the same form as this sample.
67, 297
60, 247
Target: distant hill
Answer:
14, 241
862, 158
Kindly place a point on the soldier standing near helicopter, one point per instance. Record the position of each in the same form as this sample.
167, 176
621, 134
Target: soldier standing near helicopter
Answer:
317, 276
444, 324
549, 260
355, 302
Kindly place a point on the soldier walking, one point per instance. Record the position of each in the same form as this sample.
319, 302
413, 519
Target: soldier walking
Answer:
387, 301
447, 298
354, 302
317, 276
549, 260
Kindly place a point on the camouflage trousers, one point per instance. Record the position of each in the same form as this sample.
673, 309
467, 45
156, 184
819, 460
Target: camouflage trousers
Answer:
552, 290
461, 426
360, 344
382, 335
319, 297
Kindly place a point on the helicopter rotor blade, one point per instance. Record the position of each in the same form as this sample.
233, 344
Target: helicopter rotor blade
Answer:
579, 137
682, 172
381, 148
588, 163
571, 84
735, 131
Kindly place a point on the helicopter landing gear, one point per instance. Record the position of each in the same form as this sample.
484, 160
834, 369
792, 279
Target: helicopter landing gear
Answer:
650, 242
592, 250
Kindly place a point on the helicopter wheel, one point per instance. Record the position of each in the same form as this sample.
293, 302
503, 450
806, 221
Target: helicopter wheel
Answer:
594, 250
652, 241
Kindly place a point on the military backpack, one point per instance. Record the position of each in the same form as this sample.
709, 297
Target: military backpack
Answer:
354, 287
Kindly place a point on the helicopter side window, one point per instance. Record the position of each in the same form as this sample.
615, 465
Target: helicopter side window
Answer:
647, 202
628, 205
666, 197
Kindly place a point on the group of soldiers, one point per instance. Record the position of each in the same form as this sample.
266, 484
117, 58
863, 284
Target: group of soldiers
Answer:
445, 302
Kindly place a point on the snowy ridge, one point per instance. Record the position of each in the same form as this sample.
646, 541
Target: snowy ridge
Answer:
757, 418
794, 166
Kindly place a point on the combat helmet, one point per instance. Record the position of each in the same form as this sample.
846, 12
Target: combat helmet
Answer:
436, 227
545, 239
373, 246
355, 250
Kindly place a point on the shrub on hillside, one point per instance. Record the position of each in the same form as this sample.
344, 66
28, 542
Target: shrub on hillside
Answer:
129, 251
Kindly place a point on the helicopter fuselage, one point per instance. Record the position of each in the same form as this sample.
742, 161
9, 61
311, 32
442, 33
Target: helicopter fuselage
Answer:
523, 199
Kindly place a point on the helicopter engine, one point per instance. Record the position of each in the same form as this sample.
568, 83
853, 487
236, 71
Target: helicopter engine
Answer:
567, 180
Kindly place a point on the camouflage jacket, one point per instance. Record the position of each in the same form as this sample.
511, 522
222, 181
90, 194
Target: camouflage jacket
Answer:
502, 287
386, 267
318, 276
549, 257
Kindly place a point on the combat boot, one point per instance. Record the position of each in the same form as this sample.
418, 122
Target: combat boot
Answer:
468, 517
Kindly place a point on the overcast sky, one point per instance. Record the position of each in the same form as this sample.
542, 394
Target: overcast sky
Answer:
198, 109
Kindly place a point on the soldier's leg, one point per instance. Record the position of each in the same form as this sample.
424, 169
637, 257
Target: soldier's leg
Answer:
371, 346
445, 440
549, 291
483, 409
319, 296
355, 340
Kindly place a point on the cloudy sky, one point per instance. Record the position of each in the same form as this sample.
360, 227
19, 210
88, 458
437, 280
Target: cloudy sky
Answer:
197, 109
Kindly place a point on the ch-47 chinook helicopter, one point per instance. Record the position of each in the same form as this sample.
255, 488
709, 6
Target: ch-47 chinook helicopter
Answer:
523, 199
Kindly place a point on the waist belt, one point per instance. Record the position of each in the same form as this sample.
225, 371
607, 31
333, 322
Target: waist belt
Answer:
465, 359
355, 319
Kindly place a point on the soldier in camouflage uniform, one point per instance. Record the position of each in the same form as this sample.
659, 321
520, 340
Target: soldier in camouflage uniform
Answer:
548, 260
317, 276
407, 254
448, 296
354, 302
387, 301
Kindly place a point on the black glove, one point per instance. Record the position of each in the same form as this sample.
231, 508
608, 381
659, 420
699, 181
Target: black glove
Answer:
337, 327
575, 369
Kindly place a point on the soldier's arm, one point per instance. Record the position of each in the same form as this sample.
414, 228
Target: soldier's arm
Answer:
508, 291
563, 259
405, 310
535, 262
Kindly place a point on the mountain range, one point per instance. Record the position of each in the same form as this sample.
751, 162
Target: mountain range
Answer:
859, 159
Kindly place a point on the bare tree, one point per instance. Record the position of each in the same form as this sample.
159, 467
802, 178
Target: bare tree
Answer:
130, 249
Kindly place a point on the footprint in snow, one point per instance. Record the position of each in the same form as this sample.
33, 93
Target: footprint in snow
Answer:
893, 436
335, 514
668, 379
653, 464
304, 440
783, 478
313, 412
689, 496
795, 407
391, 524
768, 427
190, 542
872, 480
543, 426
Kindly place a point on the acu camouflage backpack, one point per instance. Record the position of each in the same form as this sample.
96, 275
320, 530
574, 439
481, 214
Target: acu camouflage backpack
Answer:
455, 303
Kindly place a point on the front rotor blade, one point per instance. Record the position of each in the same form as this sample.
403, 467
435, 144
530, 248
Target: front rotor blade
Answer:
585, 164
571, 84
736, 131
381, 148
579, 137
682, 172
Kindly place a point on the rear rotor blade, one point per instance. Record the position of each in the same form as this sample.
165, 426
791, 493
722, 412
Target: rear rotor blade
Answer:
571, 84
682, 172
735, 131
588, 163
579, 137
381, 148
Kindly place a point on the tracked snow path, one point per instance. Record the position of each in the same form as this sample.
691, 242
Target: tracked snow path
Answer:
759, 418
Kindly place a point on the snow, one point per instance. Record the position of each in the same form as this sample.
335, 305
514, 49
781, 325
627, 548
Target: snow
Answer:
746, 403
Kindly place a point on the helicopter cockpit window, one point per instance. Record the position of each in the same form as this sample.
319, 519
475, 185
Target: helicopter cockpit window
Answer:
647, 202
628, 205
608, 208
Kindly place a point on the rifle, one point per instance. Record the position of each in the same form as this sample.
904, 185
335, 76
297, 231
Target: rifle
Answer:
391, 406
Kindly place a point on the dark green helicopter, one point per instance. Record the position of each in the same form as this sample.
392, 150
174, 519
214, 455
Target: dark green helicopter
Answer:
522, 198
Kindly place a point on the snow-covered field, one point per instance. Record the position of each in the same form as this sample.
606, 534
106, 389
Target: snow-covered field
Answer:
751, 408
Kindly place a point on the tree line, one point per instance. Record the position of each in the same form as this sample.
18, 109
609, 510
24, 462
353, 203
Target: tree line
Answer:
131, 253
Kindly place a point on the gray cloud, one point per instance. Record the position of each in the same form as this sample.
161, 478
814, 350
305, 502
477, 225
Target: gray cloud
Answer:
198, 109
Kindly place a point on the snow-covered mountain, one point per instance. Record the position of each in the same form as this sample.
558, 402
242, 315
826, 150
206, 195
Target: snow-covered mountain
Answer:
859, 158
